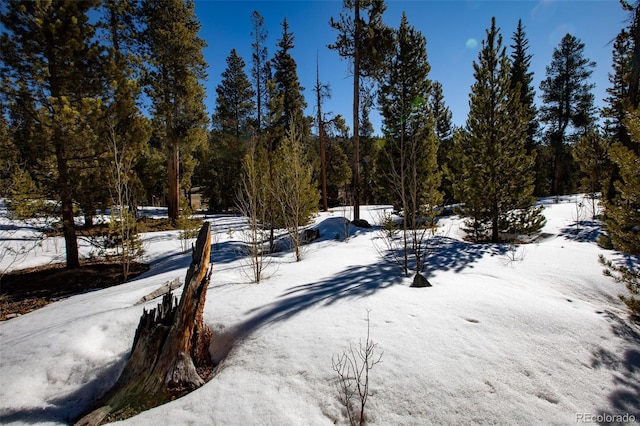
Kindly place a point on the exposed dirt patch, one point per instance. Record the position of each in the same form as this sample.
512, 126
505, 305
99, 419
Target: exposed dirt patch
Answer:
27, 290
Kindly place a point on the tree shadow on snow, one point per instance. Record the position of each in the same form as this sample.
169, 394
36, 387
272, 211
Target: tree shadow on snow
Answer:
355, 282
223, 253
448, 254
625, 372
585, 231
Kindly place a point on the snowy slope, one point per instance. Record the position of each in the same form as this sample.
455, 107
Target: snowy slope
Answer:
530, 336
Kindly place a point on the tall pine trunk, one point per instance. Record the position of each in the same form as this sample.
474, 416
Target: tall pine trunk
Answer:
321, 140
66, 201
356, 116
173, 168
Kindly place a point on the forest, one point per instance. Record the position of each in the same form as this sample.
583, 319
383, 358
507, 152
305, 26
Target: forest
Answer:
102, 109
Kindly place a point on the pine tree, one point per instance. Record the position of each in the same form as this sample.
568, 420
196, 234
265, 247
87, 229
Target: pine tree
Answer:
176, 68
125, 129
567, 105
444, 132
410, 140
51, 59
294, 192
634, 34
618, 92
369, 147
522, 77
591, 154
622, 215
287, 86
366, 44
522, 80
322, 92
260, 68
617, 103
496, 180
233, 125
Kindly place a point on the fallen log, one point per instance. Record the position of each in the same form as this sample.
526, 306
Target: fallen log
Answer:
170, 348
165, 288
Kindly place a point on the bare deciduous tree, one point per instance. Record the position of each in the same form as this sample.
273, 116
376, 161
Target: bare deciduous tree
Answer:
123, 229
252, 202
353, 367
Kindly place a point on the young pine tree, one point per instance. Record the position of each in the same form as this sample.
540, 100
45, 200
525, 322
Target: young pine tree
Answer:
497, 181
294, 192
590, 152
411, 144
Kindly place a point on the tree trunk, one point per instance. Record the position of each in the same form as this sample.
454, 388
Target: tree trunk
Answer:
66, 202
356, 112
173, 168
170, 345
321, 139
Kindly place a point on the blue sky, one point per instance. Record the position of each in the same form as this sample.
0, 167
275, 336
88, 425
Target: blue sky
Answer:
454, 30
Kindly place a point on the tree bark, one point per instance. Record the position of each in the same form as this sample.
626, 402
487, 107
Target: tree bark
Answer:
170, 345
66, 203
173, 168
356, 112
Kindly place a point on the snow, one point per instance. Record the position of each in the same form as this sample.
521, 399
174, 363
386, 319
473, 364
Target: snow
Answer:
531, 334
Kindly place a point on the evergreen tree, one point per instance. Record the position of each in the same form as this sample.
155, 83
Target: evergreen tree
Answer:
444, 132
322, 92
617, 103
8, 152
634, 34
591, 154
233, 124
567, 106
522, 80
369, 148
496, 180
618, 92
260, 68
365, 43
176, 67
338, 168
622, 215
410, 139
293, 190
125, 126
52, 60
287, 86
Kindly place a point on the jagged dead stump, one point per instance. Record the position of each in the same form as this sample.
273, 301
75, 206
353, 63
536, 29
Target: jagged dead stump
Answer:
170, 356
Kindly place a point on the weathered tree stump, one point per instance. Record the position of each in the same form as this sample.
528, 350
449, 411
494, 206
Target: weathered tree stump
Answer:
170, 347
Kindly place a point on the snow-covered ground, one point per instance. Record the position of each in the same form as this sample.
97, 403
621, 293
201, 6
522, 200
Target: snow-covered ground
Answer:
527, 335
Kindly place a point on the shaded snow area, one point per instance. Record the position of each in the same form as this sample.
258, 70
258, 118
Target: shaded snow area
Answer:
529, 335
